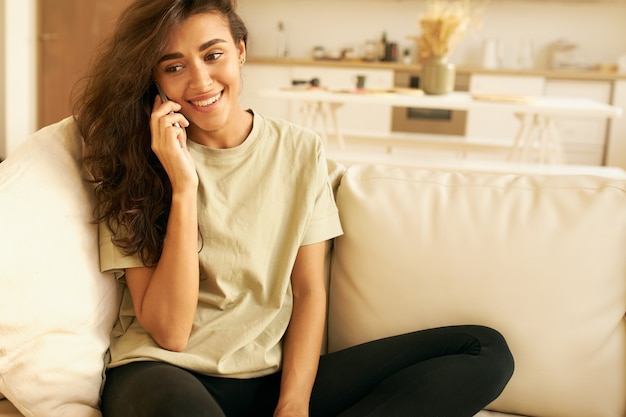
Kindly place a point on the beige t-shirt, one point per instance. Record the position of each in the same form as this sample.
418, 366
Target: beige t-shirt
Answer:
257, 204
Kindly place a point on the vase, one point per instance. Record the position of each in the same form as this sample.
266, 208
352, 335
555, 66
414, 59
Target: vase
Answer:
437, 75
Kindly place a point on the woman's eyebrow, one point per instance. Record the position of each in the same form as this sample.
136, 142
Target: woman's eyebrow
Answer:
176, 55
210, 43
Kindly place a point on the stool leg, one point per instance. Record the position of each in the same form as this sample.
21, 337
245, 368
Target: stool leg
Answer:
528, 141
333, 116
321, 112
307, 114
558, 156
544, 139
522, 132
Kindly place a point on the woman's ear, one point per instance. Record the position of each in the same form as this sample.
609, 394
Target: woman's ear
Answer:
242, 52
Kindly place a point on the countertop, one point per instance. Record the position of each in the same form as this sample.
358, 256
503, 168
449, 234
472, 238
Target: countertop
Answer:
566, 74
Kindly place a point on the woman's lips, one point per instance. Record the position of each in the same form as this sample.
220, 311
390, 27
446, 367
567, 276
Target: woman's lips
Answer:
207, 102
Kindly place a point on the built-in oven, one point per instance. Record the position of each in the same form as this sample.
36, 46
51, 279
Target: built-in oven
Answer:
431, 121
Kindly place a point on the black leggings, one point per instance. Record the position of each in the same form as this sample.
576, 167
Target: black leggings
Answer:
444, 372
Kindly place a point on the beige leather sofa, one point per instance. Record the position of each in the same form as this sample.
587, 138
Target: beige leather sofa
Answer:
536, 252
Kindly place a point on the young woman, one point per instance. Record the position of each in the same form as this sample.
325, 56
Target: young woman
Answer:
215, 219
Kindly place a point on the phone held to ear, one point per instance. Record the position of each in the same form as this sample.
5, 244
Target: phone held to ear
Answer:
164, 99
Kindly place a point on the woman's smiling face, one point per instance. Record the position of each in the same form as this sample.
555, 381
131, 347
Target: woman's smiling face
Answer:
200, 70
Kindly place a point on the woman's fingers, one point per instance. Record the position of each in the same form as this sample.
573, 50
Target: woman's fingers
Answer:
166, 124
169, 143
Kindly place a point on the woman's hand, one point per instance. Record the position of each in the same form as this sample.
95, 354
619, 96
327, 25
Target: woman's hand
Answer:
169, 143
287, 413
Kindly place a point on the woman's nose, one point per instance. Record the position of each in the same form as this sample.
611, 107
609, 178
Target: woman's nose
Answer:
201, 76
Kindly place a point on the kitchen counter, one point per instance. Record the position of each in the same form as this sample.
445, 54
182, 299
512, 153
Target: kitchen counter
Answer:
537, 115
588, 142
587, 75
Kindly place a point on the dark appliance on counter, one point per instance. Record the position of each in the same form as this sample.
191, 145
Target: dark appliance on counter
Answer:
431, 121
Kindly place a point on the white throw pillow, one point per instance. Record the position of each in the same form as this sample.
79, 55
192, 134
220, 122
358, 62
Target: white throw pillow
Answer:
57, 309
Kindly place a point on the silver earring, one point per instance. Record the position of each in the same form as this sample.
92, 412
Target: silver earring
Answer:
243, 61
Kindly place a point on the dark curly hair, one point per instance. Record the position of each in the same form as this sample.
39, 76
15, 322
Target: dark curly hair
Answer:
112, 110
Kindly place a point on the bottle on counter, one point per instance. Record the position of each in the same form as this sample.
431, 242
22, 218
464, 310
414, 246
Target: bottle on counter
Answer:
281, 46
382, 49
391, 52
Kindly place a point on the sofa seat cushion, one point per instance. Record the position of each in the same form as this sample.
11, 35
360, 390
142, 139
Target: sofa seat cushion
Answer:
57, 308
539, 256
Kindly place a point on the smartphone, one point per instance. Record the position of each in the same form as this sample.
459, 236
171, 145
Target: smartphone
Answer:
164, 99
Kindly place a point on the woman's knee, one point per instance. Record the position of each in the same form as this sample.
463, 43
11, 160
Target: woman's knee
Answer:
496, 352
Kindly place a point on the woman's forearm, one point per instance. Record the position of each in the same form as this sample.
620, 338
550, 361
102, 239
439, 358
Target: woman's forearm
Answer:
303, 340
301, 353
170, 295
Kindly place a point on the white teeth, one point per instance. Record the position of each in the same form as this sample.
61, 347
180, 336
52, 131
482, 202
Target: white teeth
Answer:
208, 102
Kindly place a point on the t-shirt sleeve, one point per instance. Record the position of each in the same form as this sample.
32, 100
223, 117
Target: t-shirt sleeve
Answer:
112, 259
324, 223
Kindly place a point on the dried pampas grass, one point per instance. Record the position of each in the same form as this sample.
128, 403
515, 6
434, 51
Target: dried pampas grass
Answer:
442, 25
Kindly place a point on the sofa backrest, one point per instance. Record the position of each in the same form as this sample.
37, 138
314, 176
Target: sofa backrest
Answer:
541, 257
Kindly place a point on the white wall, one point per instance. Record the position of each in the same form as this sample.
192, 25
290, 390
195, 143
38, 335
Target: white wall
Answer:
598, 27
18, 72
3, 83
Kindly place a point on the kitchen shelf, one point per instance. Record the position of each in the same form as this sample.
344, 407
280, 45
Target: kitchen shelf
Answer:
588, 75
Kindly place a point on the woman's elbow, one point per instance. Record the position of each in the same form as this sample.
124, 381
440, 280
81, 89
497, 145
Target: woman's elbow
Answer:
171, 336
173, 343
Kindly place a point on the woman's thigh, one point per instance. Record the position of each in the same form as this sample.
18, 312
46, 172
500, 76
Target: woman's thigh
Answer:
146, 389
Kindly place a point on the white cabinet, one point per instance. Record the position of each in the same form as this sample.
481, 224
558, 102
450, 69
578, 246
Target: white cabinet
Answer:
616, 149
583, 139
499, 124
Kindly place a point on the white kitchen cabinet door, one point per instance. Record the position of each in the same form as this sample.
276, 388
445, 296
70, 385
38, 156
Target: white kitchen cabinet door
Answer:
256, 77
496, 124
616, 149
583, 139
353, 117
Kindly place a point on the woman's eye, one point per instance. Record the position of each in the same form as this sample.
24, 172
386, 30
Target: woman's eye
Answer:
173, 68
213, 56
